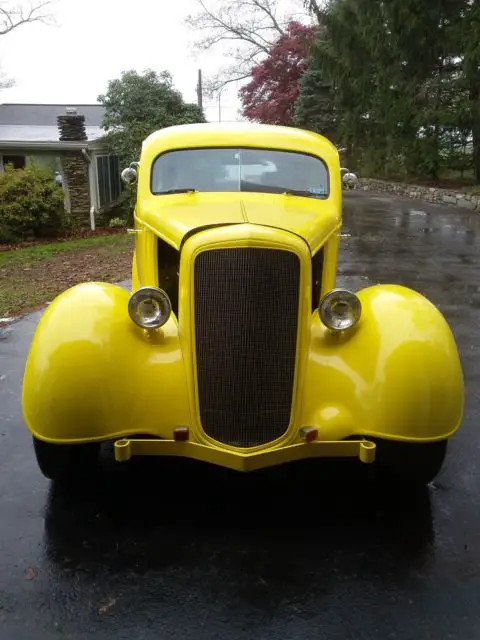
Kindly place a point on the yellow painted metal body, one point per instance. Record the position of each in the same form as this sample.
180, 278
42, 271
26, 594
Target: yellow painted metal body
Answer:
93, 375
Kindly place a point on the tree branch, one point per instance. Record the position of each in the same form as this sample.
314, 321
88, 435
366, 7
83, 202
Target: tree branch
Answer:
248, 28
12, 18
210, 21
264, 5
244, 18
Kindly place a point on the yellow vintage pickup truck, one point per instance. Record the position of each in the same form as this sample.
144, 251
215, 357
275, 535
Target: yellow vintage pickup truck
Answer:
234, 346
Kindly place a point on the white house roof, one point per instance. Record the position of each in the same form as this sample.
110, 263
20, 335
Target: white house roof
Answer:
46, 114
31, 133
36, 124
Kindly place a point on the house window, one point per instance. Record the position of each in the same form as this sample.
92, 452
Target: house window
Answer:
18, 162
108, 179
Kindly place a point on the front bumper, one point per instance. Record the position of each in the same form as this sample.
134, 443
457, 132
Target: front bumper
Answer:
364, 450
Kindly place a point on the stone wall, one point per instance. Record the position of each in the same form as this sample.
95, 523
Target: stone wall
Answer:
429, 194
75, 173
75, 168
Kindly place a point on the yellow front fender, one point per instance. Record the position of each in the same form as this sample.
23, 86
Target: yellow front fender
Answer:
93, 375
396, 375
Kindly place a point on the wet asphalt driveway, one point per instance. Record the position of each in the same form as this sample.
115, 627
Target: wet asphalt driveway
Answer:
192, 552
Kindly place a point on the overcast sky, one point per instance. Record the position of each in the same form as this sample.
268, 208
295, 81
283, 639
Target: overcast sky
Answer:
94, 40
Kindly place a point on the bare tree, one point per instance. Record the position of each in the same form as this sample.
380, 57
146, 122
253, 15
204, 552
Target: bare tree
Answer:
13, 15
247, 28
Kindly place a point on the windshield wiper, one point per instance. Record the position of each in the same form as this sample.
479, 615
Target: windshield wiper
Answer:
306, 194
169, 191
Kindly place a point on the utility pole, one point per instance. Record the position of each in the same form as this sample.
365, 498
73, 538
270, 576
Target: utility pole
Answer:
219, 105
199, 90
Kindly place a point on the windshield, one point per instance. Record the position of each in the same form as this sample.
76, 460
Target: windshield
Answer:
260, 170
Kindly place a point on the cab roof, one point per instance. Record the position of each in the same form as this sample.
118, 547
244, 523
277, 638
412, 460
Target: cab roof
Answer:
241, 134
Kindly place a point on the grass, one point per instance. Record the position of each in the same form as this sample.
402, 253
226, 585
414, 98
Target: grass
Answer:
32, 276
24, 255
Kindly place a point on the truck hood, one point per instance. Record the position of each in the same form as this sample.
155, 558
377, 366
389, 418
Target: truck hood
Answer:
180, 215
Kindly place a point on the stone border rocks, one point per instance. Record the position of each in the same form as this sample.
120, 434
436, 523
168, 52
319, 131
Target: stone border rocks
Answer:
429, 194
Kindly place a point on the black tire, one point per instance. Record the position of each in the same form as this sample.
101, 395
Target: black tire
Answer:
409, 462
66, 462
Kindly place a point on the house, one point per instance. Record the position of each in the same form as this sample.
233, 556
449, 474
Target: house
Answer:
70, 140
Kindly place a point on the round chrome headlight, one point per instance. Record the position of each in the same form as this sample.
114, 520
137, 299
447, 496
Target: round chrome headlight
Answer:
340, 309
149, 307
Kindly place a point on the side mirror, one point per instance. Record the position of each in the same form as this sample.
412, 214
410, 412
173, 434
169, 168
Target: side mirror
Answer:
130, 175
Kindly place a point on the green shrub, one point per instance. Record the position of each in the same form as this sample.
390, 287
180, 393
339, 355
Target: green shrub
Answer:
117, 223
31, 204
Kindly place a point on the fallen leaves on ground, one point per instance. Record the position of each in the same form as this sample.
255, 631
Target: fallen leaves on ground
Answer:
108, 605
31, 573
25, 287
